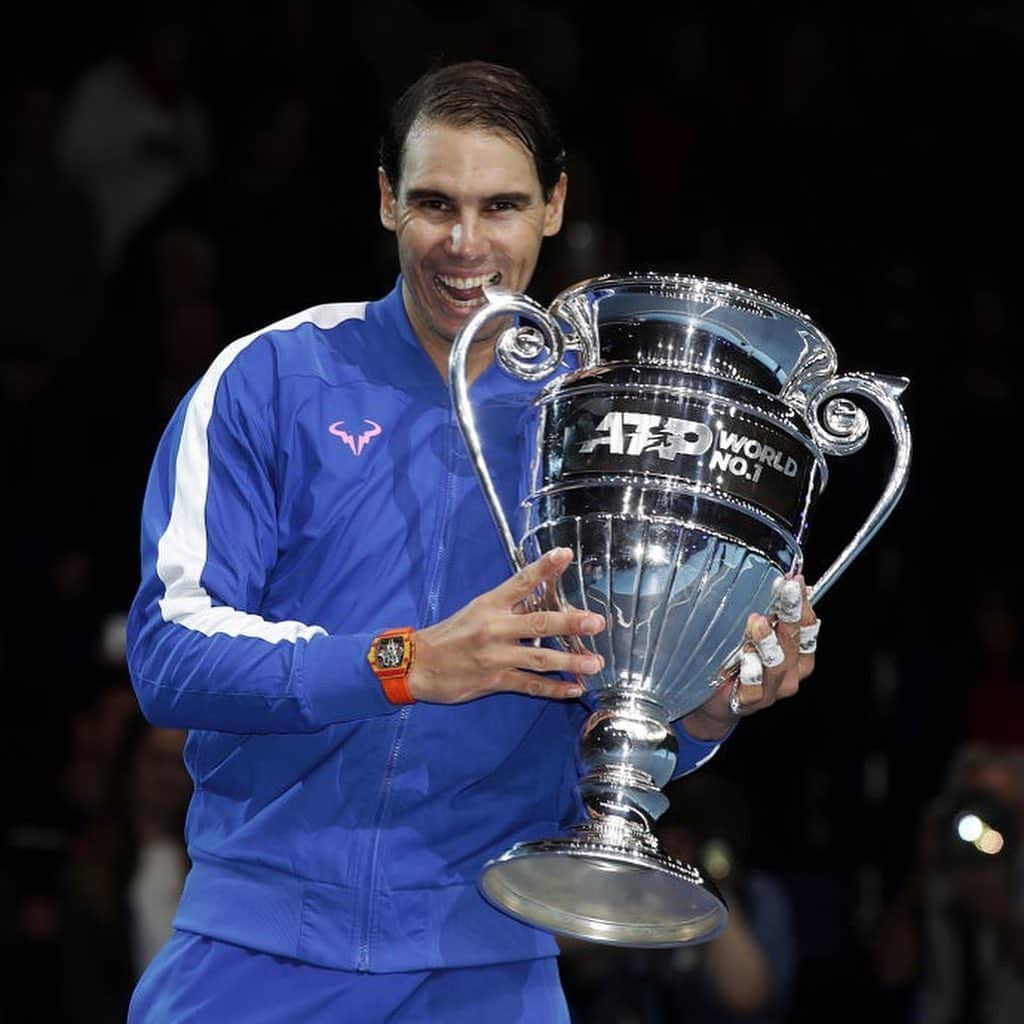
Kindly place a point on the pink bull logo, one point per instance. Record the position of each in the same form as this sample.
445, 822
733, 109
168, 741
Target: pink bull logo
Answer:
358, 443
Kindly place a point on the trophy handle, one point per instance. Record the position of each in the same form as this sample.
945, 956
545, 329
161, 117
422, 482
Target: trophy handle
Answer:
517, 351
840, 427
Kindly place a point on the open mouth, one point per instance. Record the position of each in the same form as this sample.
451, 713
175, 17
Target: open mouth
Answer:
465, 292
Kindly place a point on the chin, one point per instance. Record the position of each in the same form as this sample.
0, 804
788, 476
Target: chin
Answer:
450, 324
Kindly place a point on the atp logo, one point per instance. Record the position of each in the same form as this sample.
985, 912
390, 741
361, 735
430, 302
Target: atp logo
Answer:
355, 442
666, 436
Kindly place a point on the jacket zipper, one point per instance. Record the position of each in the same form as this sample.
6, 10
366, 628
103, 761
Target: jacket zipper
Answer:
368, 914
434, 591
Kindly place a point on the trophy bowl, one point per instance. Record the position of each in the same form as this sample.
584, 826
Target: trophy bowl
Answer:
678, 448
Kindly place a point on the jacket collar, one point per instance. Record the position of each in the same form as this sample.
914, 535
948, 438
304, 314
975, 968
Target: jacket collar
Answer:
414, 370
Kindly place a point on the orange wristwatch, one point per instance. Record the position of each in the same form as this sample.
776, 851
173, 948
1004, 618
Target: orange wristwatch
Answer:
390, 656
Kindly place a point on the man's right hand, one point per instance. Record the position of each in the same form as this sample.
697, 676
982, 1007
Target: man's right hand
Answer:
479, 650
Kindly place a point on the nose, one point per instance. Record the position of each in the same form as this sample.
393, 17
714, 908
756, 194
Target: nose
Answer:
467, 237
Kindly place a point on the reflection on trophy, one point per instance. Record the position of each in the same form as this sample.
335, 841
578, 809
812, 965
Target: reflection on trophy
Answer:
678, 450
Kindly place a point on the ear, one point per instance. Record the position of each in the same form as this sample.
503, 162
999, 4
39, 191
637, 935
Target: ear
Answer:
387, 200
555, 206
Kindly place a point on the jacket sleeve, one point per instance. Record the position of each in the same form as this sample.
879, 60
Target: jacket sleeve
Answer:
693, 753
199, 653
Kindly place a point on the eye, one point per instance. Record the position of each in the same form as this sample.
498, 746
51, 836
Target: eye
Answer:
434, 205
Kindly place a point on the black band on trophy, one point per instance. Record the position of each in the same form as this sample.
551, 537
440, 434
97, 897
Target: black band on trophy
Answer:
688, 438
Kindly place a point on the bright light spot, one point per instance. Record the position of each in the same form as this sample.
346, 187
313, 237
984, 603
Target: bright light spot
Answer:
717, 860
653, 554
608, 865
990, 842
969, 828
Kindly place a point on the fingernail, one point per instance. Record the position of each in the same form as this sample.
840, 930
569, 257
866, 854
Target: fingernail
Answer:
759, 628
557, 554
594, 664
593, 623
575, 691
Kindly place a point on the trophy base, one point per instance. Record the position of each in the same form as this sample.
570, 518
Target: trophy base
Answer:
604, 892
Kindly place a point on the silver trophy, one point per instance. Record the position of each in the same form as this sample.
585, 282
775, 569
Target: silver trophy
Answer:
679, 454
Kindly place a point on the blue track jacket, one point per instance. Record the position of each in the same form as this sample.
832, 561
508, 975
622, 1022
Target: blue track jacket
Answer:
311, 490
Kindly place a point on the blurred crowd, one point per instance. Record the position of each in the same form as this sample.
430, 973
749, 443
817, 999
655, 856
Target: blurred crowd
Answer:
178, 175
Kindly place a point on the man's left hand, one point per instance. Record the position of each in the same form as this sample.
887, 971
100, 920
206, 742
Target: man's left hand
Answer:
777, 656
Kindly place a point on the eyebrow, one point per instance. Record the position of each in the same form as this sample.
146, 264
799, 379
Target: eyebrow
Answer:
418, 194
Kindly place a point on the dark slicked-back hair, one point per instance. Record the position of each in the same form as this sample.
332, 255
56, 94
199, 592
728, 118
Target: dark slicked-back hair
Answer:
475, 94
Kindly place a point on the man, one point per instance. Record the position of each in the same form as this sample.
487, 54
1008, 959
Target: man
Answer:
324, 606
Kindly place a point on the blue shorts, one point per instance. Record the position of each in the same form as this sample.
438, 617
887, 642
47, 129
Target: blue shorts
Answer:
196, 979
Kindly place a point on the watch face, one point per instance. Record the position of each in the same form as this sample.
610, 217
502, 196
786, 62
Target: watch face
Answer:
390, 652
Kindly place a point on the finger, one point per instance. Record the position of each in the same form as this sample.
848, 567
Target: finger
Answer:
748, 690
745, 694
807, 638
751, 670
527, 580
768, 648
538, 686
807, 613
735, 704
545, 659
775, 648
788, 596
538, 625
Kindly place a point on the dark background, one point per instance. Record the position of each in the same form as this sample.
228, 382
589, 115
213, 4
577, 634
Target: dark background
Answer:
857, 166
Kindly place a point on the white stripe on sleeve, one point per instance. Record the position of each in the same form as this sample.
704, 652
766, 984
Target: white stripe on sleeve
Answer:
181, 551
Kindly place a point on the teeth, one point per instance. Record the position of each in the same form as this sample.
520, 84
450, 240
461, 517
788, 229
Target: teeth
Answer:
468, 283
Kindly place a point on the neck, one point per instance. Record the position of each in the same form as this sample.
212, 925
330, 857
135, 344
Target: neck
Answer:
478, 358
438, 348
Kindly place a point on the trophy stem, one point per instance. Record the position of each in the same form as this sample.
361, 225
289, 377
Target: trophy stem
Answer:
608, 880
628, 750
